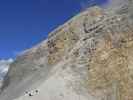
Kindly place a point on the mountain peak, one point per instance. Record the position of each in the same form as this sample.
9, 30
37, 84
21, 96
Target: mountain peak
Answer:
90, 57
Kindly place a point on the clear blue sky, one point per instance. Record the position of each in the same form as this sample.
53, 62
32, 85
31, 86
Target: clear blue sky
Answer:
24, 23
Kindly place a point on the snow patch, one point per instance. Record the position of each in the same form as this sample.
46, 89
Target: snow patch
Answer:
4, 66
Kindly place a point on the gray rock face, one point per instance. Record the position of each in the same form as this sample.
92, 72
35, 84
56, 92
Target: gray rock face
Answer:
73, 63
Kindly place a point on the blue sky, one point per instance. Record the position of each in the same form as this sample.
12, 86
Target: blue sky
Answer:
24, 23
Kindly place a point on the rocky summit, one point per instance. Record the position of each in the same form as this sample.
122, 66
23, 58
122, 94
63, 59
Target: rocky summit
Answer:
90, 57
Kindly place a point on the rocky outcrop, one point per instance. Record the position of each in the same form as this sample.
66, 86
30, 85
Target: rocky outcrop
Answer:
90, 57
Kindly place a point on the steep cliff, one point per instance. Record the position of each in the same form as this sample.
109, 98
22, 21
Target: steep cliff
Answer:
87, 58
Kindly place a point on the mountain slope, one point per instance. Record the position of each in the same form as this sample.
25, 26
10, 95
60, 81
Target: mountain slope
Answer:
87, 58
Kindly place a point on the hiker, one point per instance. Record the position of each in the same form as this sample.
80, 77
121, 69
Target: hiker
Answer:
36, 91
30, 94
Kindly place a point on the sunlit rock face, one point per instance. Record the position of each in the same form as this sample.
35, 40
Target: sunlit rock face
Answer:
90, 56
111, 70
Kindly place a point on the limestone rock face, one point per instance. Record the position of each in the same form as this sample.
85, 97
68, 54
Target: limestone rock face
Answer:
88, 58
